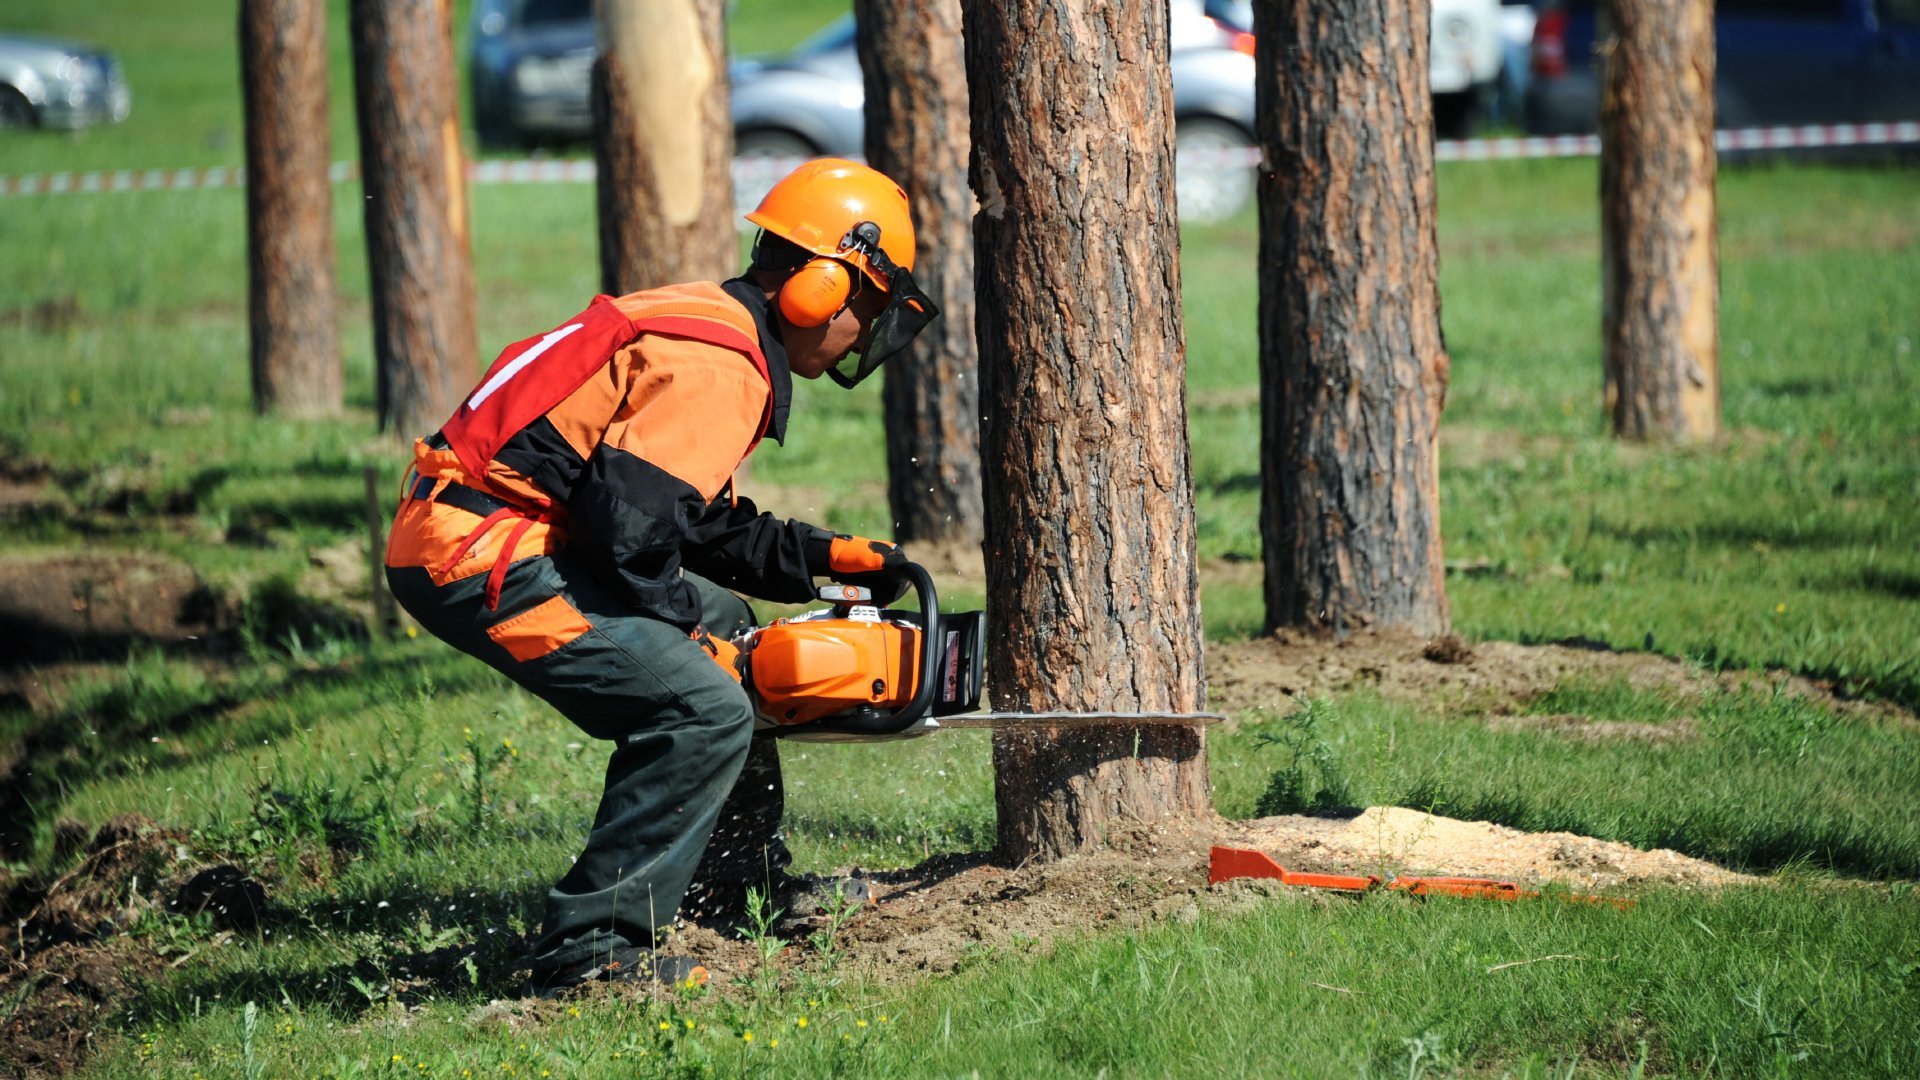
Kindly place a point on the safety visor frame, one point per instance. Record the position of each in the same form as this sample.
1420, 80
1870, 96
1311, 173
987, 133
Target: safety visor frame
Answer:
908, 309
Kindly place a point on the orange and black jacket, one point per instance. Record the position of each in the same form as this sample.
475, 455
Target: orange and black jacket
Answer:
616, 436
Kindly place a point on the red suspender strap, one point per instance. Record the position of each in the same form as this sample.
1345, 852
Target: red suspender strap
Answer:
531, 377
714, 332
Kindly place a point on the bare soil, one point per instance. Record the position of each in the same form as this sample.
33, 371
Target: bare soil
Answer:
70, 965
936, 917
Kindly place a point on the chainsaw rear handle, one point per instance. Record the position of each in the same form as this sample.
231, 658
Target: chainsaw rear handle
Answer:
879, 723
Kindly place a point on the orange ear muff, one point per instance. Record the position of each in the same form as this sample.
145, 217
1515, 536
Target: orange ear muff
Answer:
816, 292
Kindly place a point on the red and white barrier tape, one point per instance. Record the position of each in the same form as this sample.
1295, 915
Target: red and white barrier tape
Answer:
763, 170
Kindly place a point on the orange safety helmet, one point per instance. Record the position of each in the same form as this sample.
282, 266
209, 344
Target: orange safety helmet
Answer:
817, 204
849, 217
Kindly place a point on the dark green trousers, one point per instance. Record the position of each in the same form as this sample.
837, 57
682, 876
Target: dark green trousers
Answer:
690, 795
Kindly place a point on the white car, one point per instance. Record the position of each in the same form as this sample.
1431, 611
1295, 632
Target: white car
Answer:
58, 84
1463, 57
1464, 64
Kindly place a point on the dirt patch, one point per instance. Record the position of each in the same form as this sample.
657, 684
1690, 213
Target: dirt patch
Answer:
90, 603
937, 916
69, 967
1585, 729
70, 996
940, 915
1493, 677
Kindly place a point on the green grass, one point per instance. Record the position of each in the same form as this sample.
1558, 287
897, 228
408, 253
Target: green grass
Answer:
1750, 779
1760, 981
1789, 543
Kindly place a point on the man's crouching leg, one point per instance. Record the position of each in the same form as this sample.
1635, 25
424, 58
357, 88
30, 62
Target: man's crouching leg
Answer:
680, 728
748, 850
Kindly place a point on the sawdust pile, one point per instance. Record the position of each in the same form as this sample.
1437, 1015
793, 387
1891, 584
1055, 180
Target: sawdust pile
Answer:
1391, 840
935, 917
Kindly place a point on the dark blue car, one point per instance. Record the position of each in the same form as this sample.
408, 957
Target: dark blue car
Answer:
1779, 62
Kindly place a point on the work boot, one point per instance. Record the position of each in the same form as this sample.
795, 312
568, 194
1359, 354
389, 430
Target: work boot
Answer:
623, 965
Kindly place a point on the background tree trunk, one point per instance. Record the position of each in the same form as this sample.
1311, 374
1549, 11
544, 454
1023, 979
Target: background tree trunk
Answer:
1091, 581
1353, 371
916, 78
663, 144
290, 250
1660, 262
416, 211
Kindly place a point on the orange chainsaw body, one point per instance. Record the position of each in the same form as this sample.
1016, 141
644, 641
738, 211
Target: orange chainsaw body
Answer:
803, 670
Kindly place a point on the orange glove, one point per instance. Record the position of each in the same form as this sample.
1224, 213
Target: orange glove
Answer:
859, 555
723, 651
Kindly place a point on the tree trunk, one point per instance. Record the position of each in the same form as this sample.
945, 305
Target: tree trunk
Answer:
1091, 580
416, 211
290, 251
1353, 371
1660, 262
663, 144
916, 79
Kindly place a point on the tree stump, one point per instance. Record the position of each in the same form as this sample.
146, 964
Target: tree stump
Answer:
1091, 581
1659, 242
1353, 371
663, 144
414, 175
917, 133
294, 341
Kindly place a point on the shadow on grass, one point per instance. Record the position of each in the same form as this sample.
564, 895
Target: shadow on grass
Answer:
1247, 481
1824, 534
95, 739
1895, 583
477, 957
286, 501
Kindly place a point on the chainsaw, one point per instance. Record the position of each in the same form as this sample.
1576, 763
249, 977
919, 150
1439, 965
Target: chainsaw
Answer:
857, 671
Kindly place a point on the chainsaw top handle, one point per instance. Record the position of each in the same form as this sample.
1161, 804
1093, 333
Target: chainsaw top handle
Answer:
879, 723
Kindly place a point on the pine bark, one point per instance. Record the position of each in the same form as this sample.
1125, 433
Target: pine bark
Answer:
663, 144
1091, 579
1660, 306
1353, 371
917, 133
414, 175
295, 343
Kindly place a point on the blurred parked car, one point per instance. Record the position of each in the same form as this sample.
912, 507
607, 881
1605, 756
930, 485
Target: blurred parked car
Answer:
1777, 62
59, 84
1516, 61
1464, 63
811, 101
533, 61
1466, 53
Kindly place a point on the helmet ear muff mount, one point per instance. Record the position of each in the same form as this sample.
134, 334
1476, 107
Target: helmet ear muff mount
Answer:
816, 292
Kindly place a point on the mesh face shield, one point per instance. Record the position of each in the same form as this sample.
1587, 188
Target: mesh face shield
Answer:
908, 310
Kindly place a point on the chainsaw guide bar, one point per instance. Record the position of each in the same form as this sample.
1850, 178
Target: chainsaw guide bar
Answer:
1078, 719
